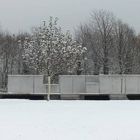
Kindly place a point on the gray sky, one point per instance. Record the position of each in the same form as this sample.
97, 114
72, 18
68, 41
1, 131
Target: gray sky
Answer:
21, 15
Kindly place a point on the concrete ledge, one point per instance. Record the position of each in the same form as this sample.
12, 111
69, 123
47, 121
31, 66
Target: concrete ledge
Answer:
133, 96
118, 97
69, 97
97, 97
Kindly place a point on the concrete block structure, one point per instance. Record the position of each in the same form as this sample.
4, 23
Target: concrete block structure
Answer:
29, 84
77, 86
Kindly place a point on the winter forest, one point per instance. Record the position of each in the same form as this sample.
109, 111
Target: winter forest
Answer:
102, 45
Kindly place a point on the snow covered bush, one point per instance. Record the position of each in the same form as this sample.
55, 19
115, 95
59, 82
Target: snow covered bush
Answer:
50, 51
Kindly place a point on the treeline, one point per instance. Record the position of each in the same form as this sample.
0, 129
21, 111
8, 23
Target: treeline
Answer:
11, 61
112, 47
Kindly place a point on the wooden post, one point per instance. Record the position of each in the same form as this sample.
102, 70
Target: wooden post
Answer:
49, 87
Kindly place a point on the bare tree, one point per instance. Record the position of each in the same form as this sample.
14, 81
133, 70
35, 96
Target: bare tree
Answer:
97, 36
102, 24
111, 44
137, 55
124, 41
8, 56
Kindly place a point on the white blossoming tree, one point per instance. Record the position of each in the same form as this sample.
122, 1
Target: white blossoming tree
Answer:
50, 51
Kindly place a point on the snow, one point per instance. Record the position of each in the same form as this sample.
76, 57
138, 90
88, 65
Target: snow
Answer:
69, 120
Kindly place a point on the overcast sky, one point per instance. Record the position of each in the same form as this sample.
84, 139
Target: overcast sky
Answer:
21, 15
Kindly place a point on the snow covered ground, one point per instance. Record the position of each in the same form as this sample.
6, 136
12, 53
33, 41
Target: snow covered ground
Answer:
69, 120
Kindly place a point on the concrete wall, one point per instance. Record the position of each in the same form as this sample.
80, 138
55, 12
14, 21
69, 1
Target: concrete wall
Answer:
26, 84
38, 86
73, 84
92, 84
81, 84
55, 88
132, 84
120, 84
20, 84
70, 84
100, 84
110, 84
